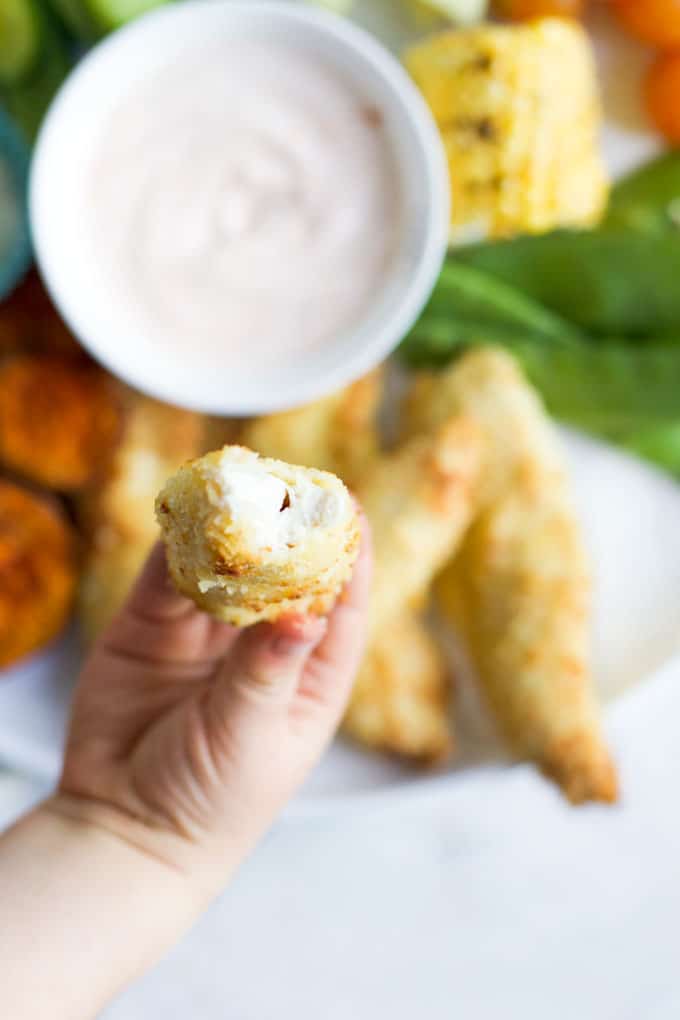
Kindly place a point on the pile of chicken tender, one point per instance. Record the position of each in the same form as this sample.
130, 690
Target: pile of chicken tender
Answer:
469, 506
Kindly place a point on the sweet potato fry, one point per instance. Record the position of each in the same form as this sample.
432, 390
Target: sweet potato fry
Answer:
37, 572
59, 419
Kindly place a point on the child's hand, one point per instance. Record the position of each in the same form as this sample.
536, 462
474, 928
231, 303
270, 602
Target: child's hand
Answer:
187, 736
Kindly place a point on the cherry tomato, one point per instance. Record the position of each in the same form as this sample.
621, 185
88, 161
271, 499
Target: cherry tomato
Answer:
654, 21
523, 10
662, 95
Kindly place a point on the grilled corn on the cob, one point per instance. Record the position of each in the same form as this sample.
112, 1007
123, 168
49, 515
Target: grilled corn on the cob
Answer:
518, 111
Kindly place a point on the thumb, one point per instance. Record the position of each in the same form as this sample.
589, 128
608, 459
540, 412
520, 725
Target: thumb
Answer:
266, 664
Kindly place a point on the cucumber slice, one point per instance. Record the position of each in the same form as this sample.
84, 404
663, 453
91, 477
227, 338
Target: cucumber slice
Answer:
110, 14
19, 39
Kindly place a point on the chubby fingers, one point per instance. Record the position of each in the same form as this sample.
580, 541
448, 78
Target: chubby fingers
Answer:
160, 625
266, 663
331, 669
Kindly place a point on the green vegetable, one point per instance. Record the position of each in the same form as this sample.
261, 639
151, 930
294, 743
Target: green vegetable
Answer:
467, 295
609, 388
648, 200
659, 444
27, 99
607, 282
19, 39
90, 19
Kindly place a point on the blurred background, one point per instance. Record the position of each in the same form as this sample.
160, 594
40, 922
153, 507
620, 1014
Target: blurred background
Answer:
493, 834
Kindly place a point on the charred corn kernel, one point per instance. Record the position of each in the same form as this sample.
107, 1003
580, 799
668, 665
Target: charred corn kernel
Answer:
518, 110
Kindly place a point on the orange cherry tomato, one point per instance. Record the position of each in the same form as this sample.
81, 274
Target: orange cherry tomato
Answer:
524, 10
662, 95
654, 21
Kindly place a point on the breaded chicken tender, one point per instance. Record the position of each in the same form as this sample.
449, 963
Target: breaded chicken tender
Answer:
419, 500
519, 596
488, 386
37, 572
59, 419
337, 433
401, 698
117, 514
519, 592
249, 538
400, 702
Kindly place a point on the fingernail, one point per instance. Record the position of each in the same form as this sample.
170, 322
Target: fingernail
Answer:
307, 636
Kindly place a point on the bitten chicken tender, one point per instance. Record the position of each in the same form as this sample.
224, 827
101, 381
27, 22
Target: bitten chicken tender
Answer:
59, 419
519, 592
518, 110
401, 698
37, 572
117, 514
249, 538
337, 433
419, 500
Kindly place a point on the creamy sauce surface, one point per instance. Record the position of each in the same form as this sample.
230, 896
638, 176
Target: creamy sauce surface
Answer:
244, 205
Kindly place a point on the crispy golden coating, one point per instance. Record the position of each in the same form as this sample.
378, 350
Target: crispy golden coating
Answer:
519, 596
488, 386
37, 572
519, 591
59, 419
250, 538
29, 322
117, 514
419, 501
401, 699
337, 433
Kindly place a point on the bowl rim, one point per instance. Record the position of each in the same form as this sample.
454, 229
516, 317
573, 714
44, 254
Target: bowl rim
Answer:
360, 353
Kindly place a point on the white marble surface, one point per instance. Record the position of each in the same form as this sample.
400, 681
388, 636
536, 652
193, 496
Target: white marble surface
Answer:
486, 900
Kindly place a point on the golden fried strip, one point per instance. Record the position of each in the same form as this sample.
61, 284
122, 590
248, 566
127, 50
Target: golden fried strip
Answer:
59, 419
251, 538
401, 699
118, 514
419, 501
37, 572
519, 591
401, 694
488, 386
337, 433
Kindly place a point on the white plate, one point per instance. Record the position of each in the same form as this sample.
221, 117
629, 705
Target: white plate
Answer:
629, 514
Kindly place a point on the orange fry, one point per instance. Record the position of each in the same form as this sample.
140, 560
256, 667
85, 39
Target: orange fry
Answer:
37, 572
59, 419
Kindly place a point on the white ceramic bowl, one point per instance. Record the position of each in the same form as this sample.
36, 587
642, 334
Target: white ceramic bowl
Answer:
68, 141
